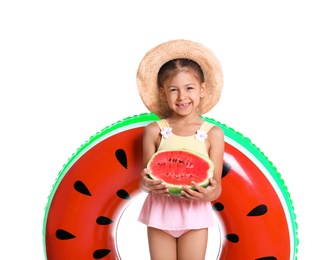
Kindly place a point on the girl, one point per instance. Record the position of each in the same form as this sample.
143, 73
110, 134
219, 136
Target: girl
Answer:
177, 227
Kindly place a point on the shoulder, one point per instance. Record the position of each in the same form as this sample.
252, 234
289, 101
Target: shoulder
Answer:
216, 141
151, 134
216, 132
152, 128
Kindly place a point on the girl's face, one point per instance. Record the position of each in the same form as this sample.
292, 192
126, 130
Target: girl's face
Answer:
183, 92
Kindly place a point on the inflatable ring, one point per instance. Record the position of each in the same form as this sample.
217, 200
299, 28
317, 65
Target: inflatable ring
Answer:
256, 218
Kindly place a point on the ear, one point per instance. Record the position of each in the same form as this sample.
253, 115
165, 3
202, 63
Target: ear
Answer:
163, 93
204, 87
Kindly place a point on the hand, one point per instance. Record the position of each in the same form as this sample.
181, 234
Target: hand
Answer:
201, 193
149, 185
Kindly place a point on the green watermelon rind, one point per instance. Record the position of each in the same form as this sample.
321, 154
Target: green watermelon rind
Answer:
175, 190
146, 118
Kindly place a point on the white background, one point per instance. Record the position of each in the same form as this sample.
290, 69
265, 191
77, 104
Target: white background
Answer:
67, 70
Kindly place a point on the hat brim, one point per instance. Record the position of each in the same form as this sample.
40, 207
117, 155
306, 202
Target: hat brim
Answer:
154, 59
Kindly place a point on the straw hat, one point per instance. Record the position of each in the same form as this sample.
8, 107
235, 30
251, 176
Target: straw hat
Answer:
159, 55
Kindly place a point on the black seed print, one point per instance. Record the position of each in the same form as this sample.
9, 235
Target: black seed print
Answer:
226, 169
121, 157
267, 258
103, 220
232, 238
81, 188
258, 211
218, 206
123, 194
100, 253
64, 235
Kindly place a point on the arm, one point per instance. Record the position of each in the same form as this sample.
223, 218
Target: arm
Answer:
216, 154
149, 148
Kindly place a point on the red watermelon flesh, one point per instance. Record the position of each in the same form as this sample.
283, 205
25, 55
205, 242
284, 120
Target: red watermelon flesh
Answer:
178, 168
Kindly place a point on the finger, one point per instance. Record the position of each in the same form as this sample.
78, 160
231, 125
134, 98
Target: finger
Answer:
145, 172
157, 186
198, 187
162, 191
213, 182
189, 193
155, 183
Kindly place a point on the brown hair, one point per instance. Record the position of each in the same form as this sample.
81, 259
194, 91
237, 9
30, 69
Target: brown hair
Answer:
172, 67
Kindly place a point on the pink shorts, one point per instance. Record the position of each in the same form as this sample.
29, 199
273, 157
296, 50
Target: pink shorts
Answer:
176, 233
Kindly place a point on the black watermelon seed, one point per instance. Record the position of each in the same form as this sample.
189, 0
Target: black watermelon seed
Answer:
100, 253
81, 188
103, 220
218, 206
121, 157
258, 211
226, 169
267, 258
63, 234
232, 238
123, 194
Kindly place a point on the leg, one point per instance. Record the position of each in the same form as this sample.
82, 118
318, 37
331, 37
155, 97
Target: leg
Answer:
192, 245
162, 246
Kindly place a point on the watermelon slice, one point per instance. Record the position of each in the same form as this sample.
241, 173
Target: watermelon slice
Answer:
178, 168
87, 201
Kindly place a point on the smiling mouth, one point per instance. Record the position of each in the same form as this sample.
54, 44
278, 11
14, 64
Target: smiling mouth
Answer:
183, 106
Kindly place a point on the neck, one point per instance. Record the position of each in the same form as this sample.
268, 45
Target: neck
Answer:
188, 119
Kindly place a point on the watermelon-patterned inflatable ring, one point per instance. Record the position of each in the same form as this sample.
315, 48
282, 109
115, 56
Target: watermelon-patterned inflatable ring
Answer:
255, 213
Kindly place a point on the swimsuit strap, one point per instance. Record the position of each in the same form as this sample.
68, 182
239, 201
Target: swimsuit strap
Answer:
206, 126
162, 123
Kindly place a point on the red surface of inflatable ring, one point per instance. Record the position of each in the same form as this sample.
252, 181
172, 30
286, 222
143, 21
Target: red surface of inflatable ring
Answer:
255, 212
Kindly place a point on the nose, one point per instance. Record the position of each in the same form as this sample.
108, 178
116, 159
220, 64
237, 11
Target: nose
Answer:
181, 95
